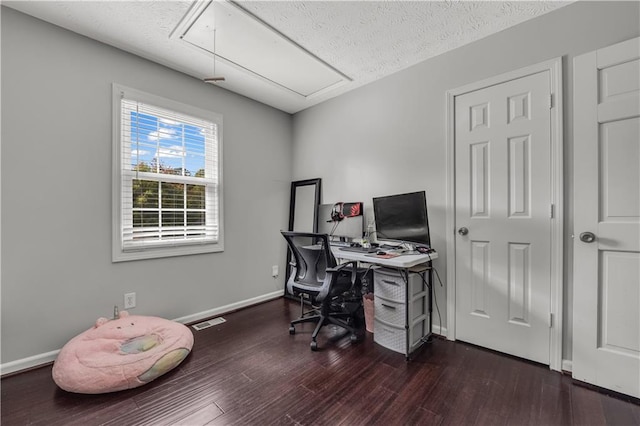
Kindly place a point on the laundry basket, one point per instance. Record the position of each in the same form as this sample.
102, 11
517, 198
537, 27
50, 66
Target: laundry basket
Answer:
367, 301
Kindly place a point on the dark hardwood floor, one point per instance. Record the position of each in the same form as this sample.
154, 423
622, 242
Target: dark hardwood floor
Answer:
250, 371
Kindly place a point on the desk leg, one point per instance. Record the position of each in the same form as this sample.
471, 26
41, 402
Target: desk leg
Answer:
430, 285
406, 314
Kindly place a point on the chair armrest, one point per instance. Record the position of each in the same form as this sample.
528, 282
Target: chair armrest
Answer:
354, 270
342, 266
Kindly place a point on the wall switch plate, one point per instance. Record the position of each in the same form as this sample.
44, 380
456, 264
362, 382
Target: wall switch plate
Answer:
129, 300
274, 271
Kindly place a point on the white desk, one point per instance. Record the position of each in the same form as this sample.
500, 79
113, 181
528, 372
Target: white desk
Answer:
402, 261
407, 331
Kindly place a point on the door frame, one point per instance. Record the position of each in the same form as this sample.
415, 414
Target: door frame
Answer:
554, 67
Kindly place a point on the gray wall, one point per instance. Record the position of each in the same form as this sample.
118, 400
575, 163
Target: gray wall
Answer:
57, 275
387, 137
390, 136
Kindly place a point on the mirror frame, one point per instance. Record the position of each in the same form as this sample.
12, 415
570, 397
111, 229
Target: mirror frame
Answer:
317, 182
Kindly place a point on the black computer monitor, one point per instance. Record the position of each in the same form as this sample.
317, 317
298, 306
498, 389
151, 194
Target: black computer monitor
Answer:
403, 218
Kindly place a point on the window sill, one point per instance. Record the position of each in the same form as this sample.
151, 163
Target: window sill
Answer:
119, 255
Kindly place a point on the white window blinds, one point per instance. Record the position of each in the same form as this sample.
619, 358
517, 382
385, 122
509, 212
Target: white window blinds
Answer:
170, 177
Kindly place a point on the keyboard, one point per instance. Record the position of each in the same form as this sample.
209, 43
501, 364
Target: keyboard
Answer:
340, 243
360, 249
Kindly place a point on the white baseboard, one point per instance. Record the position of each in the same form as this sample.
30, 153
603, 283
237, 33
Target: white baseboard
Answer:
228, 308
29, 362
436, 329
567, 365
45, 358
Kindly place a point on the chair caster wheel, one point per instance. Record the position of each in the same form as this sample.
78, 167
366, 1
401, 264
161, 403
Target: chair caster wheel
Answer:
292, 330
354, 338
314, 346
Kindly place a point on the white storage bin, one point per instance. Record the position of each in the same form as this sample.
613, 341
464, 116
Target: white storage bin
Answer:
389, 311
390, 336
401, 310
389, 285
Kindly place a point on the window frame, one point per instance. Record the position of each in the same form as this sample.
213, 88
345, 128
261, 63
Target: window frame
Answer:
179, 247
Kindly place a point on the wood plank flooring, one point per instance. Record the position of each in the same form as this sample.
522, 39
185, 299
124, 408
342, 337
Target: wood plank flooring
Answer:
250, 371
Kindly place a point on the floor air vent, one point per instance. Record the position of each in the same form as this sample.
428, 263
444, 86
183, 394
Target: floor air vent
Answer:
208, 323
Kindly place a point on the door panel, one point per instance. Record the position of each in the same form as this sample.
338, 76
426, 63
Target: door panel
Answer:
479, 179
619, 157
619, 329
503, 278
606, 332
479, 277
519, 178
519, 286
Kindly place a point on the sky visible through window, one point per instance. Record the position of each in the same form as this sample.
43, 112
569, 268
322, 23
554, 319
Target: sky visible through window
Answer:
169, 171
167, 146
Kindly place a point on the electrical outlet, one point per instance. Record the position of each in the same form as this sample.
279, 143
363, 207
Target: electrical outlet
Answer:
129, 300
274, 271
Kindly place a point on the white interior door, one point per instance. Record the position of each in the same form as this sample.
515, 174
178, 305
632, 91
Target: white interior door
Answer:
606, 296
503, 216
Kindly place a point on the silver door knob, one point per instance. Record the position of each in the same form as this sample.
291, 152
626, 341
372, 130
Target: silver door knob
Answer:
587, 237
463, 231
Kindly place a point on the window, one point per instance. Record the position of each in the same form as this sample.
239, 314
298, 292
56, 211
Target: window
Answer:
167, 177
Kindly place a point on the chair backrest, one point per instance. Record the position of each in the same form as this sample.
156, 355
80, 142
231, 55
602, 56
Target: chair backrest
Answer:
312, 256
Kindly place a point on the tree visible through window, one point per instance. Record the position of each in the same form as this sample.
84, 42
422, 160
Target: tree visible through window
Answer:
169, 176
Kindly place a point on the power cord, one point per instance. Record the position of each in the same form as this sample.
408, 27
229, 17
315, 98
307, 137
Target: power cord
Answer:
424, 281
335, 227
435, 298
365, 275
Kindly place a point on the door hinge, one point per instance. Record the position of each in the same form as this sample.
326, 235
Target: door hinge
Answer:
550, 320
551, 211
550, 100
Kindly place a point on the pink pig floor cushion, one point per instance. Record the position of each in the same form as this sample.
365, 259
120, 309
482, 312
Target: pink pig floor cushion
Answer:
120, 354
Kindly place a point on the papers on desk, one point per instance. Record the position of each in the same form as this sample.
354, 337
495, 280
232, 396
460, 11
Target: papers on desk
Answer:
383, 256
390, 254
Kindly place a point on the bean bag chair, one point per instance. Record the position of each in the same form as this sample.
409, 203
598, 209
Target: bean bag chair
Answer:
120, 354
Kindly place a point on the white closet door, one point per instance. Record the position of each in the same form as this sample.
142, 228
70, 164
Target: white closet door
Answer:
503, 203
606, 296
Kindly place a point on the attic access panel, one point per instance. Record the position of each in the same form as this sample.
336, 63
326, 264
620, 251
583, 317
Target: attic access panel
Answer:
248, 43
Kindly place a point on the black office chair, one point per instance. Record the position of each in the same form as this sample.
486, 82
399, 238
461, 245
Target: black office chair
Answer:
333, 290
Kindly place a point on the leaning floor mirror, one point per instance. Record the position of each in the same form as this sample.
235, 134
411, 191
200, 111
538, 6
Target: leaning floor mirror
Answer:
306, 196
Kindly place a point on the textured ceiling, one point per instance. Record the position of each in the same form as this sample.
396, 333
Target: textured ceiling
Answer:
365, 40
368, 40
